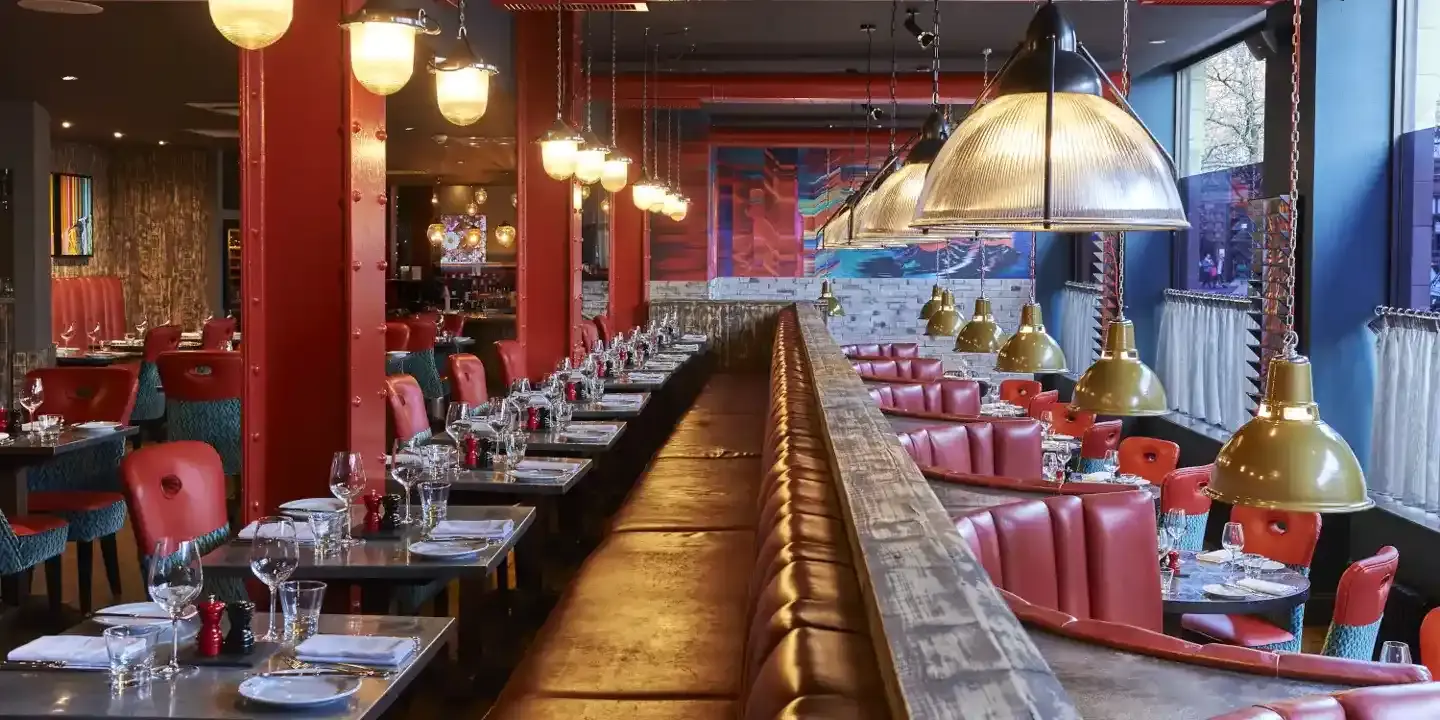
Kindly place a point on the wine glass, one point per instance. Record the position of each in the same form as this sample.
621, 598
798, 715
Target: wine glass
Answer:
66, 334
404, 471
94, 334
1233, 540
31, 398
274, 555
140, 328
1173, 524
347, 482
457, 420
1394, 651
174, 581
1112, 461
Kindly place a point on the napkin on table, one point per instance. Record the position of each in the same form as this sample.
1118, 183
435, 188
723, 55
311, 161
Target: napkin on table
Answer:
623, 397
1098, 477
686, 348
694, 337
492, 529
1216, 556
645, 376
545, 465
1265, 586
358, 649
576, 429
86, 651
303, 534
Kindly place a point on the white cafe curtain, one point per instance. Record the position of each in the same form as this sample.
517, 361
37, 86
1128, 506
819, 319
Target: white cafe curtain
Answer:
1079, 308
1405, 422
1202, 359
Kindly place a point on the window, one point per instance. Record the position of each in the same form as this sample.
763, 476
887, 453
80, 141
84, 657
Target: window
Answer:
1221, 126
1418, 146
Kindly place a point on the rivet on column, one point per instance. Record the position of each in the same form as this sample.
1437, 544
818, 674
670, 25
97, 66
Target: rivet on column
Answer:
356, 333
355, 401
381, 199
254, 369
255, 437
355, 266
355, 196
355, 126
381, 328
382, 265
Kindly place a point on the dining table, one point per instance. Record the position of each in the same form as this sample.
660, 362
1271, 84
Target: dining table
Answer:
22, 451
613, 406
1187, 593
213, 691
572, 443
536, 476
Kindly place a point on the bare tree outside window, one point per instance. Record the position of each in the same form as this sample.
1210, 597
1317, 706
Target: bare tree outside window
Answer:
1234, 110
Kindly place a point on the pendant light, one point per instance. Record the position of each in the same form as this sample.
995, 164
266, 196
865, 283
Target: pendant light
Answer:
840, 231
382, 44
830, 305
933, 304
1118, 383
1049, 152
1031, 349
615, 174
982, 334
462, 81
667, 189
677, 206
560, 144
252, 24
473, 237
435, 234
481, 196
590, 158
1286, 457
505, 234
645, 192
946, 321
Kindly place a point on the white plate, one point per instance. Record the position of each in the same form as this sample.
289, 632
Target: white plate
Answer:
309, 505
1229, 593
299, 690
445, 549
98, 426
1271, 566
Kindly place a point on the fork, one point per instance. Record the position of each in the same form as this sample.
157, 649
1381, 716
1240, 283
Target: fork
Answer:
339, 668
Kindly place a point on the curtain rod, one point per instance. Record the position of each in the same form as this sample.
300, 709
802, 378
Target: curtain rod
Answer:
1387, 316
1083, 287
1207, 297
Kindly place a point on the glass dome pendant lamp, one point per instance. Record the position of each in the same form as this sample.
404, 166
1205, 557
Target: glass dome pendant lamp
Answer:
647, 191
462, 81
590, 158
382, 43
560, 144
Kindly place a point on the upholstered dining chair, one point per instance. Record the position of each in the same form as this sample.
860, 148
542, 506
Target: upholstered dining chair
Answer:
467, 379
512, 361
1019, 392
1430, 642
605, 328
407, 408
27, 541
1150, 458
177, 490
1096, 442
397, 339
203, 392
1066, 420
589, 335
83, 487
1041, 402
453, 323
420, 363
149, 399
1184, 489
216, 333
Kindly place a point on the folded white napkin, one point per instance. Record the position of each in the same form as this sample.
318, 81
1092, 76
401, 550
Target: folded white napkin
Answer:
545, 465
1216, 556
578, 429
303, 533
694, 337
358, 649
645, 377
623, 398
73, 650
408, 458
1266, 587
1098, 477
494, 529
686, 348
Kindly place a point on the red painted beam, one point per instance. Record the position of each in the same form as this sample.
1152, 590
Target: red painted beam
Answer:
797, 137
690, 90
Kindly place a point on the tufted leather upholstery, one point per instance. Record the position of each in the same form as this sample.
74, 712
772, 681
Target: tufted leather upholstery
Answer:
202, 375
174, 490
1430, 640
422, 333
946, 396
467, 379
1100, 439
407, 406
1400, 702
1149, 458
453, 323
512, 360
83, 394
924, 369
1042, 402
84, 301
603, 326
589, 335
977, 448
1089, 557
1019, 392
216, 333
881, 350
1364, 587
397, 335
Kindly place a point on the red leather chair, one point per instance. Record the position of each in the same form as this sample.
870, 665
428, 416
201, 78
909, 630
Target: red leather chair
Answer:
149, 400
512, 360
1395, 702
589, 335
1091, 556
602, 325
216, 333
977, 448
407, 407
467, 379
84, 394
454, 324
202, 389
397, 335
1099, 439
921, 369
947, 396
1019, 392
1184, 489
881, 350
1150, 458
1041, 402
422, 334
1430, 641
1069, 421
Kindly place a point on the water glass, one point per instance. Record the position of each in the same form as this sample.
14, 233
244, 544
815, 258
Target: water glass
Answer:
1172, 523
1112, 461
564, 413
1233, 540
457, 420
515, 442
50, 427
300, 600
1394, 651
132, 653
174, 581
434, 501
1250, 564
326, 527
1167, 576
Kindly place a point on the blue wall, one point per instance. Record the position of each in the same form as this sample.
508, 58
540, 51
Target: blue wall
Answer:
1147, 255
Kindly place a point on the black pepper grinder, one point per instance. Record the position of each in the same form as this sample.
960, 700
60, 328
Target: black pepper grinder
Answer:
241, 640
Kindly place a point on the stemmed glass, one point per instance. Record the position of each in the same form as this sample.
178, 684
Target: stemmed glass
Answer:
66, 334
1394, 651
1112, 462
1233, 540
174, 581
1172, 526
347, 482
94, 334
405, 473
274, 555
457, 420
31, 398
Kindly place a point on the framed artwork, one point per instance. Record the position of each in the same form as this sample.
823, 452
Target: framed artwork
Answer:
72, 215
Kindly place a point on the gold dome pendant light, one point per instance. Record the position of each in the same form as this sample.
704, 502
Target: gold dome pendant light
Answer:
645, 192
829, 304
590, 158
1050, 152
932, 305
462, 81
1031, 349
982, 334
382, 43
1286, 457
560, 145
615, 173
946, 321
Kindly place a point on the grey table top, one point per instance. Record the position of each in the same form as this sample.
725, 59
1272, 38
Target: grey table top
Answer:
212, 694
23, 447
387, 557
612, 411
626, 383
1187, 591
562, 444
501, 480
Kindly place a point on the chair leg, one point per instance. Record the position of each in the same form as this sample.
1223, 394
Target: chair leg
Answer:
10, 589
110, 553
85, 558
54, 576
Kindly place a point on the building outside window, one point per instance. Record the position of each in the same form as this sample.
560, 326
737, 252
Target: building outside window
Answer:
1418, 146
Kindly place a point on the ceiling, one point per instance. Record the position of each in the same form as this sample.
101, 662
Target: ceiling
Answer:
158, 70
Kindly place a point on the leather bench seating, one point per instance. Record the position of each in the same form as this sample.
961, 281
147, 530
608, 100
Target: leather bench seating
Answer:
725, 587
881, 350
1084, 568
944, 398
85, 301
922, 369
1421, 700
1000, 453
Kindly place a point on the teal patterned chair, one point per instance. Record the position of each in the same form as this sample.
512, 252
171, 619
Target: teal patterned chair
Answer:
83, 486
420, 363
1184, 489
1360, 605
150, 399
203, 395
177, 490
27, 541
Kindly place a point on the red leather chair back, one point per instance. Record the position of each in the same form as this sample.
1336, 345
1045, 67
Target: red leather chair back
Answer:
1184, 489
589, 335
175, 490
161, 339
1383, 702
918, 369
946, 396
1150, 458
1099, 439
881, 350
467, 379
397, 335
84, 394
1364, 588
1281, 535
1430, 642
216, 333
407, 406
85, 301
454, 323
512, 360
956, 397
977, 448
1072, 422
602, 326
422, 333
1090, 556
1041, 402
201, 375
1019, 392
884, 369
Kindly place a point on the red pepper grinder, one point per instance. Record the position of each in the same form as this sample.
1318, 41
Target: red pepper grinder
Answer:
374, 511
532, 418
208, 643
472, 451
1174, 560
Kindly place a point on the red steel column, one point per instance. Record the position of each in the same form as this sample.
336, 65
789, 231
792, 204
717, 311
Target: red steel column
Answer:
549, 292
313, 254
629, 236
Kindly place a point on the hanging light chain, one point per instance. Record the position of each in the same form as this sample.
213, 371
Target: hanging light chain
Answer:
461, 34
1034, 243
1125, 93
614, 73
589, 59
678, 134
894, 63
1291, 338
981, 242
935, 59
559, 61
869, 98
645, 115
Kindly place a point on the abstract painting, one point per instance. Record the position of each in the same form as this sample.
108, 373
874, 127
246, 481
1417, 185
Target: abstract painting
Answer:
72, 215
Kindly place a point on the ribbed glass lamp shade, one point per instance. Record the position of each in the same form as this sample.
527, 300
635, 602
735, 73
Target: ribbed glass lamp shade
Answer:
615, 175
837, 231
677, 207
1030, 349
646, 192
1107, 174
252, 24
1118, 383
981, 334
937, 299
463, 94
558, 149
946, 321
1286, 457
890, 208
382, 55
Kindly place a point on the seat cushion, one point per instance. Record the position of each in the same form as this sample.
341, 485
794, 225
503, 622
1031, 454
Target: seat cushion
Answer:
72, 501
533, 707
649, 615
693, 494
24, 525
811, 661
716, 436
1242, 630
